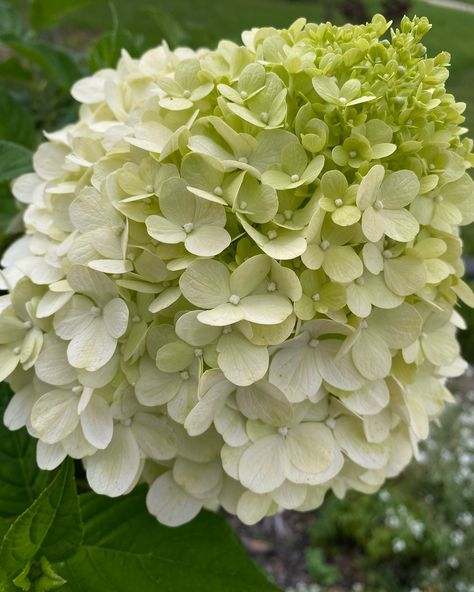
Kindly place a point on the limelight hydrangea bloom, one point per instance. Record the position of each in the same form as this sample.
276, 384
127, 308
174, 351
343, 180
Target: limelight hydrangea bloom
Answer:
239, 270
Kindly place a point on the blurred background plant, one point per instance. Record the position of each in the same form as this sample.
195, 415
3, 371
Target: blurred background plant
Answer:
418, 534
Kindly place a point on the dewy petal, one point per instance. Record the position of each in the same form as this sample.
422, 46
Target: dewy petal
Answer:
206, 283
54, 415
214, 389
116, 317
189, 329
153, 386
339, 372
114, 470
169, 503
399, 189
342, 264
294, 372
97, 423
369, 187
18, 411
74, 317
222, 315
368, 400
92, 283
310, 447
252, 507
165, 231
371, 356
350, 437
400, 225
155, 436
263, 465
92, 348
207, 241
265, 310
241, 361
49, 456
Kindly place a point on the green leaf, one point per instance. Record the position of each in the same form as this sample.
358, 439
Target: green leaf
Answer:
45, 13
8, 209
126, 549
16, 122
20, 479
10, 18
106, 51
13, 69
51, 527
57, 64
14, 160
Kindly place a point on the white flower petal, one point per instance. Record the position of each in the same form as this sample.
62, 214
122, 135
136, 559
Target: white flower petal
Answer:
112, 471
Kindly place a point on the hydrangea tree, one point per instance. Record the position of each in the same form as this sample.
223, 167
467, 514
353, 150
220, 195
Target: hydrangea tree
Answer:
240, 268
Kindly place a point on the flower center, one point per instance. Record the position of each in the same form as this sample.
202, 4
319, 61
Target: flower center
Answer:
295, 178
438, 198
244, 94
186, 93
227, 330
77, 390
363, 324
234, 299
271, 287
272, 234
95, 311
378, 205
243, 205
16, 351
198, 352
149, 188
218, 190
353, 153
316, 297
188, 227
360, 281
342, 100
127, 422
184, 375
264, 117
283, 431
243, 159
325, 245
338, 202
314, 343
387, 254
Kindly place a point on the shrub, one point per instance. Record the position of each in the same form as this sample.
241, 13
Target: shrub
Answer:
239, 271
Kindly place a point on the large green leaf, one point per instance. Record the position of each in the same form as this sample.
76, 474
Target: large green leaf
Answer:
51, 527
20, 479
45, 13
13, 69
14, 160
56, 63
8, 208
16, 122
125, 549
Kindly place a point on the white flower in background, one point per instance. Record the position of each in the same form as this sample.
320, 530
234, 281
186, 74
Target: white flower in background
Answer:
239, 271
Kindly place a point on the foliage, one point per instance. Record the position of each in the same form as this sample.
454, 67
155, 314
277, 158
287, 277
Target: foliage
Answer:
35, 77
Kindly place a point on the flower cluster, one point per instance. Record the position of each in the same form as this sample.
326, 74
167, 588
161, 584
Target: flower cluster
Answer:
239, 271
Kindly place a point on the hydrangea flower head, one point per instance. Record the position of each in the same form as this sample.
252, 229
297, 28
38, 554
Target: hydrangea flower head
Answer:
240, 267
